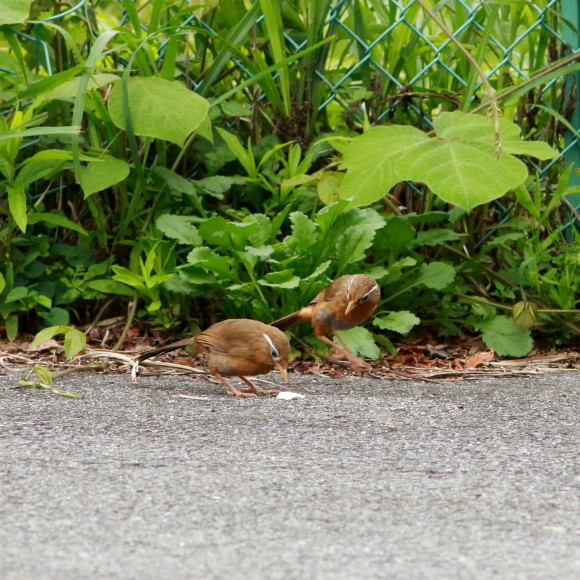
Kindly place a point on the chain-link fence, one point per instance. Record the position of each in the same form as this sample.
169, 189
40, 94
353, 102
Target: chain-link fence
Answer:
394, 61
398, 60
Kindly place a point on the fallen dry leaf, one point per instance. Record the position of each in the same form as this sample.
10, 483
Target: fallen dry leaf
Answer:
46, 345
481, 358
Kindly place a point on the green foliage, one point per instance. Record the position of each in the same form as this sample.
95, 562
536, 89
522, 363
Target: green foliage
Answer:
503, 335
525, 314
459, 163
402, 321
102, 174
150, 266
250, 267
74, 340
44, 381
14, 11
228, 200
41, 279
157, 108
360, 342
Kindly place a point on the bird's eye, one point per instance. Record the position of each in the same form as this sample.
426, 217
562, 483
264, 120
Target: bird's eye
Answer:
366, 296
273, 350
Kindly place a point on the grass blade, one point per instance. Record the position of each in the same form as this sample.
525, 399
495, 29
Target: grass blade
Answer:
275, 34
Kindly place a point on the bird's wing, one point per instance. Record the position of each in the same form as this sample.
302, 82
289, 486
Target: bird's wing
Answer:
228, 336
218, 337
212, 342
322, 296
336, 288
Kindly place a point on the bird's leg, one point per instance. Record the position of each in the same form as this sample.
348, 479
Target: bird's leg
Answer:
231, 390
253, 389
354, 361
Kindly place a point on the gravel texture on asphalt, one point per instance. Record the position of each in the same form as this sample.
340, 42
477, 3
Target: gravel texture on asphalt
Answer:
361, 479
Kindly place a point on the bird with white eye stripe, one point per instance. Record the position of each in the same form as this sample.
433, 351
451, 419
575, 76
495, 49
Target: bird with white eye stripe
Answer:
238, 347
344, 304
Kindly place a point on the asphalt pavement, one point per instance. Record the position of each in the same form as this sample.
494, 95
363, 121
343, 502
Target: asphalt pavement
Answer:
361, 479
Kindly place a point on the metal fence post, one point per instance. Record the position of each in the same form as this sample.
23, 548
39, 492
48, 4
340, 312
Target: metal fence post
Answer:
571, 34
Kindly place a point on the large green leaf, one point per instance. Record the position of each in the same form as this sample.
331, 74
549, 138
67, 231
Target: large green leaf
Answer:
479, 128
360, 342
436, 275
14, 11
401, 321
158, 108
180, 228
328, 187
74, 342
458, 164
502, 334
352, 245
101, 174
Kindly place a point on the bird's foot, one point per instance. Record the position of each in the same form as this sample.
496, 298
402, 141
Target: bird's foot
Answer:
251, 388
258, 391
355, 362
233, 392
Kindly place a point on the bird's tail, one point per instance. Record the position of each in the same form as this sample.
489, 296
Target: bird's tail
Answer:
164, 349
286, 321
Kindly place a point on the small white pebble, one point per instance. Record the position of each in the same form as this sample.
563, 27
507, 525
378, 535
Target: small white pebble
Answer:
288, 396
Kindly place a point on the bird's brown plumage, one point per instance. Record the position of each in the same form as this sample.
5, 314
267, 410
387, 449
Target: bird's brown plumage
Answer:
344, 304
238, 347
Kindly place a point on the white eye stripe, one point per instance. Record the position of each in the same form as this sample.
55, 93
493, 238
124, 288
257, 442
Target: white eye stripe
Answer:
273, 349
375, 287
348, 287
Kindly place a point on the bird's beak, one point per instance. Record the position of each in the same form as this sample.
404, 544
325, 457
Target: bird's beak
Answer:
283, 371
350, 306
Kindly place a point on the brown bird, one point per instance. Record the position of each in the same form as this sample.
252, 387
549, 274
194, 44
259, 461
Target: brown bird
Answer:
238, 347
344, 304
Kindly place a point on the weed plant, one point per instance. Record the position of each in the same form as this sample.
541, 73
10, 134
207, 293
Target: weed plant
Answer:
190, 159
